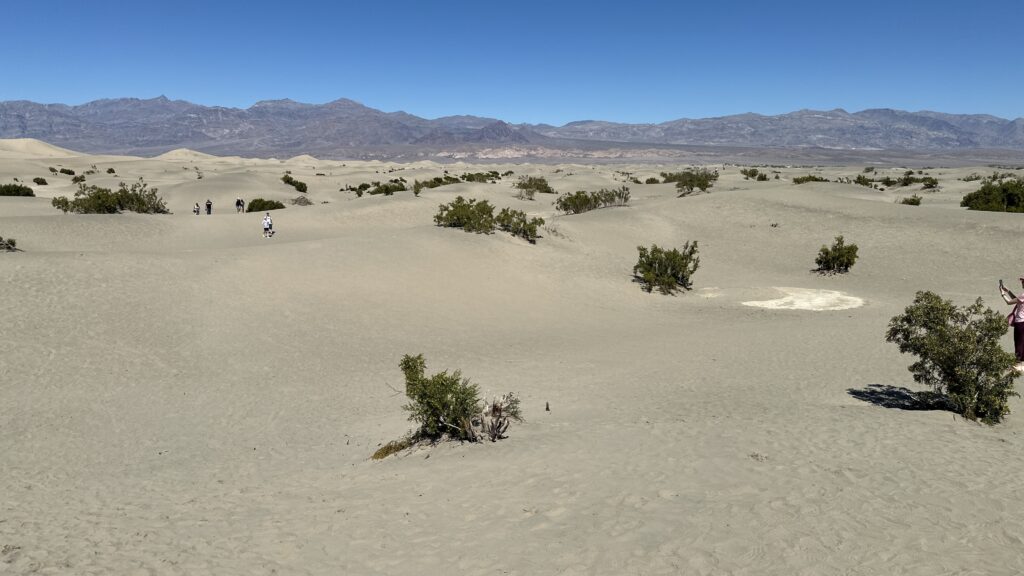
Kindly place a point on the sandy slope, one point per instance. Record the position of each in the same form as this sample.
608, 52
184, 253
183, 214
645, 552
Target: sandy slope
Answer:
179, 395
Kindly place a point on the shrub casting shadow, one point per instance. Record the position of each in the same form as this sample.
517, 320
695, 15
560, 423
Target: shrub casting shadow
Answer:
888, 396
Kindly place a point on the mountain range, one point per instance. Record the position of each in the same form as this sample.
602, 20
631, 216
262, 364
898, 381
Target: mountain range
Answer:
342, 128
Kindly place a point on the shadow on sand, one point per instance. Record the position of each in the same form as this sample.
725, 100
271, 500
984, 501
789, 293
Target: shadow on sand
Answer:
888, 396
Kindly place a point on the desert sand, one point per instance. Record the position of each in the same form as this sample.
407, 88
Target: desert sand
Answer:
179, 395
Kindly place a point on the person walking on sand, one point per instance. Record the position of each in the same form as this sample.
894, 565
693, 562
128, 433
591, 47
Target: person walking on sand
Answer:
268, 226
1016, 318
239, 205
195, 209
209, 207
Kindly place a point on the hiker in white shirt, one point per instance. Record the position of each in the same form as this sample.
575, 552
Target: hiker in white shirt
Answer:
268, 226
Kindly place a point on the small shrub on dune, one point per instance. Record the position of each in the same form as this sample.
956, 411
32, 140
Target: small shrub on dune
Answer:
448, 406
387, 188
809, 178
39, 181
837, 259
434, 182
689, 180
16, 190
470, 215
749, 173
54, 171
111, 171
138, 197
78, 179
762, 177
298, 185
582, 201
483, 177
535, 184
301, 201
997, 196
517, 224
67, 171
8, 245
666, 270
914, 200
261, 205
652, 180
959, 354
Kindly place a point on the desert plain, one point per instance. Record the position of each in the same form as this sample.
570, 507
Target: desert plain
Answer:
180, 395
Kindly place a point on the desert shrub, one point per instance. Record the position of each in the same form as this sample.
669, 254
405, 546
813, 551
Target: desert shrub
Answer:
301, 201
929, 183
16, 190
67, 171
39, 181
809, 178
762, 177
535, 184
387, 188
8, 245
959, 354
261, 205
298, 185
111, 171
481, 176
138, 197
507, 173
434, 182
689, 180
863, 180
441, 404
652, 180
666, 270
470, 215
581, 201
516, 223
869, 169
914, 200
749, 173
973, 176
838, 258
997, 196
78, 179
88, 173
54, 170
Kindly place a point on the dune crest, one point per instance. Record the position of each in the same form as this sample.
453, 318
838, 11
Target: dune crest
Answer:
32, 148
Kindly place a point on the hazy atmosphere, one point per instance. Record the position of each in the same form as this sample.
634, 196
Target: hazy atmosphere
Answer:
528, 289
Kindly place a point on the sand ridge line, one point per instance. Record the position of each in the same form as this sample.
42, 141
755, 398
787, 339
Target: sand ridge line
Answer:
808, 299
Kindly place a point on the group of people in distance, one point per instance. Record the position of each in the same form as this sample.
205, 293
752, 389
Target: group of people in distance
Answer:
268, 222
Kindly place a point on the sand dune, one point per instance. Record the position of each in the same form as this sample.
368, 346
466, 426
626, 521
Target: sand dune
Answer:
32, 148
182, 396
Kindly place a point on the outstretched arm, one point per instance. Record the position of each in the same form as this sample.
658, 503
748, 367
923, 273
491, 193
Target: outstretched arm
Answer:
1008, 297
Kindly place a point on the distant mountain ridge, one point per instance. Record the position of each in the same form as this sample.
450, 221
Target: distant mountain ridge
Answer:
285, 128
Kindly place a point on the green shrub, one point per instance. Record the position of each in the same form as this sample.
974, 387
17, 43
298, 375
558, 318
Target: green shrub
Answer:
287, 179
67, 171
441, 404
470, 215
929, 183
959, 354
581, 201
652, 180
863, 181
689, 180
138, 197
482, 177
39, 181
16, 190
533, 184
972, 177
110, 171
434, 182
516, 223
387, 188
997, 196
762, 177
8, 245
914, 200
54, 170
261, 205
809, 178
749, 173
838, 259
666, 270
78, 179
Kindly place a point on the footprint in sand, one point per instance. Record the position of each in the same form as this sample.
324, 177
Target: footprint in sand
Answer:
809, 299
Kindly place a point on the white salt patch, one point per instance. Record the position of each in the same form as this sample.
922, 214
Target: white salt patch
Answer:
809, 299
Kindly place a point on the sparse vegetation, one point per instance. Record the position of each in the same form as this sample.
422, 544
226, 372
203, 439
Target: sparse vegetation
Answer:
689, 180
652, 180
111, 171
54, 170
470, 215
809, 178
582, 201
261, 205
997, 195
749, 173
138, 197
434, 182
914, 200
67, 171
39, 181
298, 185
530, 185
959, 354
837, 259
16, 190
516, 223
387, 188
78, 179
8, 245
666, 270
483, 177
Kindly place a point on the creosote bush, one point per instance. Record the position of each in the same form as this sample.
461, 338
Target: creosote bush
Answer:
67, 171
298, 185
517, 224
689, 180
959, 354
434, 182
16, 190
997, 195
470, 215
78, 179
666, 270
652, 180
533, 184
809, 178
8, 245
261, 205
914, 200
39, 181
138, 197
582, 201
111, 171
838, 258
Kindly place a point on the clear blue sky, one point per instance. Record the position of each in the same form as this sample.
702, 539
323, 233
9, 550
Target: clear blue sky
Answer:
526, 61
